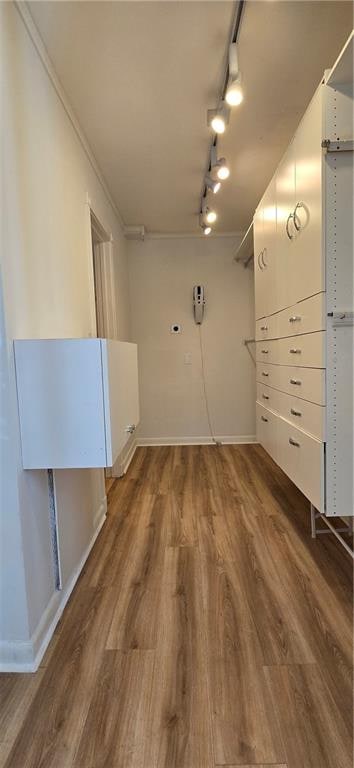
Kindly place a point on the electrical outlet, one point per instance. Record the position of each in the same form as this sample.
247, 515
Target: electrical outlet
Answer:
188, 358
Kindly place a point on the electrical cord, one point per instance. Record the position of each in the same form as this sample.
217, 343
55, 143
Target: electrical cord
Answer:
215, 441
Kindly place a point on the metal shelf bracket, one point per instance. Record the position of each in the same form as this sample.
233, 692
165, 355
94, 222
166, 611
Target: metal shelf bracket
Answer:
337, 146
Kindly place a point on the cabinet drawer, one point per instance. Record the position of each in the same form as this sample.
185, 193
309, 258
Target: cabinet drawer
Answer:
307, 416
298, 454
306, 350
302, 458
304, 383
305, 317
266, 328
266, 430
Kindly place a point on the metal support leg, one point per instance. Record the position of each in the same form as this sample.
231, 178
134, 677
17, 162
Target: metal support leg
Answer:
330, 529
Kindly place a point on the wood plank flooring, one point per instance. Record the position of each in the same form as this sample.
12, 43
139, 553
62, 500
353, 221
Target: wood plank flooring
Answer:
207, 629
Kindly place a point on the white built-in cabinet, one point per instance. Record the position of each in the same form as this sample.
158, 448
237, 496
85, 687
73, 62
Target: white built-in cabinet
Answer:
78, 401
304, 298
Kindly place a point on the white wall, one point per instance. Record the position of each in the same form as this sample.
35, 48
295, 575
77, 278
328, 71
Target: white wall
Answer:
46, 265
162, 275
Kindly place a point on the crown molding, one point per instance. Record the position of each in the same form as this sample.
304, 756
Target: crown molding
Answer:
38, 43
190, 235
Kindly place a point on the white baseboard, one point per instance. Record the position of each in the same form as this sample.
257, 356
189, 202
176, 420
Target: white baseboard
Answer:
224, 439
124, 460
27, 656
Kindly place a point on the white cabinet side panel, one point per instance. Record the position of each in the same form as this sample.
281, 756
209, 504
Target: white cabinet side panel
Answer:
60, 400
121, 395
339, 205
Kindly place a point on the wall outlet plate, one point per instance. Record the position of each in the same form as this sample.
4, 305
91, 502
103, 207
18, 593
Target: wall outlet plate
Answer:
175, 328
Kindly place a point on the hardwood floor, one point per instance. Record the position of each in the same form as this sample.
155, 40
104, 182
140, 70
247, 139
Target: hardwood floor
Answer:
207, 629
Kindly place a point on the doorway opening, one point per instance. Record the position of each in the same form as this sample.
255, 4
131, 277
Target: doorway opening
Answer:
104, 290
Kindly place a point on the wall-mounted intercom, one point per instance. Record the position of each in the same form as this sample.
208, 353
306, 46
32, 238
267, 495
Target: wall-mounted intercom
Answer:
198, 303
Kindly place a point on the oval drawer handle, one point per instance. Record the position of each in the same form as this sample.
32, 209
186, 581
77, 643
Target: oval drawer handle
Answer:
264, 418
295, 351
295, 381
265, 351
295, 413
294, 319
264, 373
264, 327
265, 397
293, 442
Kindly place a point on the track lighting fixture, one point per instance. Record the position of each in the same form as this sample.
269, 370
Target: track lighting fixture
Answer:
234, 94
205, 227
218, 118
218, 167
223, 172
209, 216
212, 184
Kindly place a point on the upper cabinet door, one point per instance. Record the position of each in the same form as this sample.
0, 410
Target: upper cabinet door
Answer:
259, 268
285, 229
269, 255
307, 267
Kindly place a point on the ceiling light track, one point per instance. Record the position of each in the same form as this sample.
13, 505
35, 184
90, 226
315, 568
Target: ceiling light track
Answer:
231, 95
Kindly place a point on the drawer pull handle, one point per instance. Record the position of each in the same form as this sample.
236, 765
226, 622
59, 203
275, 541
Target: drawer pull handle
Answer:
264, 373
265, 397
295, 381
264, 351
290, 236
293, 442
294, 319
260, 260
297, 222
264, 327
295, 351
264, 418
295, 413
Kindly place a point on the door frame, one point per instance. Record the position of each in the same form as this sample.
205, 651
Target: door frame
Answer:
101, 241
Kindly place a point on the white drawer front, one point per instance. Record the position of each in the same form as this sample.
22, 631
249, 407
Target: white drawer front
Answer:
298, 454
302, 458
266, 328
307, 416
307, 316
304, 383
266, 430
307, 350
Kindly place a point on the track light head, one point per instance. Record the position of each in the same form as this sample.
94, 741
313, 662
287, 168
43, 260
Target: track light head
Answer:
234, 94
218, 167
218, 119
222, 171
205, 227
208, 214
212, 184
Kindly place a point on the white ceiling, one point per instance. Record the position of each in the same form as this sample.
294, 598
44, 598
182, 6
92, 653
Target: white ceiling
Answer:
141, 76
